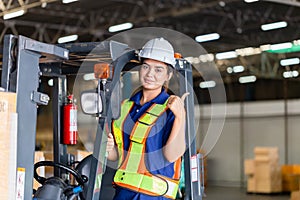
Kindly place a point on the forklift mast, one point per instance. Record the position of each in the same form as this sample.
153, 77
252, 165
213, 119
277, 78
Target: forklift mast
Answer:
26, 60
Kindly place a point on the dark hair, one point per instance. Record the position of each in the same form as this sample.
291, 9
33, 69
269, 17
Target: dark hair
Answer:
170, 69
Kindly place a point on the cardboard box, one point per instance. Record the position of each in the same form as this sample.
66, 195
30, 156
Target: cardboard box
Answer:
82, 154
264, 172
266, 154
290, 178
271, 159
268, 151
290, 182
287, 169
49, 157
39, 156
8, 102
268, 186
296, 169
267, 178
8, 145
249, 167
295, 195
251, 184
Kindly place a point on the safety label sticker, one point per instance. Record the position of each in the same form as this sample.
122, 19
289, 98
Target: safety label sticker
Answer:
194, 168
20, 183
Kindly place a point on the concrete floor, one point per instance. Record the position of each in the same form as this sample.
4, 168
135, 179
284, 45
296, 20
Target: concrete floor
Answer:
235, 193
219, 193
212, 192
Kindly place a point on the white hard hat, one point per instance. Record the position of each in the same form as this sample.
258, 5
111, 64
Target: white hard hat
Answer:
158, 49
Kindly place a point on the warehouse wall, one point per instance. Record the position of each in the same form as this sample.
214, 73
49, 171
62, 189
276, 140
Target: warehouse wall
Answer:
249, 124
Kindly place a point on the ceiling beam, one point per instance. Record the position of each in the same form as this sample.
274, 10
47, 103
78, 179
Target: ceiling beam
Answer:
287, 2
9, 4
2, 6
21, 2
22, 5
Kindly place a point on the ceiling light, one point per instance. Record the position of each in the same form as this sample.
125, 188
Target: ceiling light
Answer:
50, 82
238, 69
68, 38
293, 48
275, 25
265, 47
196, 60
222, 3
206, 57
290, 61
229, 70
285, 45
16, 13
68, 1
247, 79
226, 55
207, 37
120, 27
290, 74
235, 69
296, 42
248, 51
250, 1
44, 5
207, 84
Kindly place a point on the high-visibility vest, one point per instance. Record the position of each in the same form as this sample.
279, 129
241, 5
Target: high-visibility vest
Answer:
132, 172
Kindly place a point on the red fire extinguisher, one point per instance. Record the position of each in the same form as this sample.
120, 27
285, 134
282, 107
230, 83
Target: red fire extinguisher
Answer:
70, 121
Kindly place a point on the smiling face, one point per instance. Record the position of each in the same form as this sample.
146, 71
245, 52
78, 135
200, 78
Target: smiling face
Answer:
153, 74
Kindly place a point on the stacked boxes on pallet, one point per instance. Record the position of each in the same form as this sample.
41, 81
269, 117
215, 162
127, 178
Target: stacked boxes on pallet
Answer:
264, 173
249, 171
295, 195
8, 145
290, 177
39, 156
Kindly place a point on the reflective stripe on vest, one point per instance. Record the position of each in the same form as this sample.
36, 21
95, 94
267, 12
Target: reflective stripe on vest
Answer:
118, 125
133, 173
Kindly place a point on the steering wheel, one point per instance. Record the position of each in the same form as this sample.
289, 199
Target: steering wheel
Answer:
81, 179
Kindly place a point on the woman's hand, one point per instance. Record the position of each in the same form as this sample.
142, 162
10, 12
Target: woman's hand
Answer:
110, 143
111, 151
176, 105
175, 145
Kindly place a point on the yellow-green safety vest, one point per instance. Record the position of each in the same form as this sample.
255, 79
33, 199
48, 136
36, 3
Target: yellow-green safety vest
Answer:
132, 172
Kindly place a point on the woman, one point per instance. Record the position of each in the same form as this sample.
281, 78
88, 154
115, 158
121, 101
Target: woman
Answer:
149, 138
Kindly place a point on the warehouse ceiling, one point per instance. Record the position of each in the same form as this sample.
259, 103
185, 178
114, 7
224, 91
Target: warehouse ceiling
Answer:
237, 22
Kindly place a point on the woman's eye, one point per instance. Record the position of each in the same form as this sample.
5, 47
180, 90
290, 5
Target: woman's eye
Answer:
145, 67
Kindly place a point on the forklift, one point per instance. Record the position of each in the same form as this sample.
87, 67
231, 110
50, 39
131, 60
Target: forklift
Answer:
25, 61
